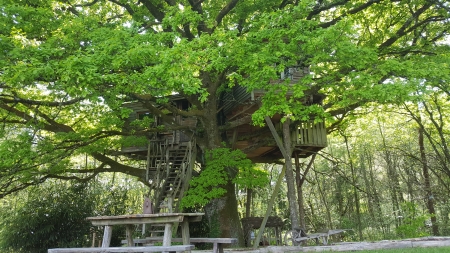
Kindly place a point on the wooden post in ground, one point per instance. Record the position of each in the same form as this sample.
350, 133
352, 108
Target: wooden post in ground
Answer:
269, 207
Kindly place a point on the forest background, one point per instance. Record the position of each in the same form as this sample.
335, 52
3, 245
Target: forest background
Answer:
379, 68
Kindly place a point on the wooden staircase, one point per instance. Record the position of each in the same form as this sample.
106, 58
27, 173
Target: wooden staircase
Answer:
169, 169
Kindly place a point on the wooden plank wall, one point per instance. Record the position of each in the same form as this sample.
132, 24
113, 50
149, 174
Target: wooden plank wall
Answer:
310, 134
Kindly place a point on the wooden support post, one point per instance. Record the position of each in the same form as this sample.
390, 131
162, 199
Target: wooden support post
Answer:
167, 239
129, 234
269, 207
170, 204
93, 239
185, 232
107, 236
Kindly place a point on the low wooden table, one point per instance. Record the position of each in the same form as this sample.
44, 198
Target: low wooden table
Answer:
168, 219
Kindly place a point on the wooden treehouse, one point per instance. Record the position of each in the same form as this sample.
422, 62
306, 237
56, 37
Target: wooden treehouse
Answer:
257, 142
169, 156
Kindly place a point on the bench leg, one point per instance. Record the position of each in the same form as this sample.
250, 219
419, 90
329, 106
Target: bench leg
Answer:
217, 247
129, 235
325, 240
107, 236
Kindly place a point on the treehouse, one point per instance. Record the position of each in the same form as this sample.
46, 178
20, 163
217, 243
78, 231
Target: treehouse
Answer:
169, 154
258, 143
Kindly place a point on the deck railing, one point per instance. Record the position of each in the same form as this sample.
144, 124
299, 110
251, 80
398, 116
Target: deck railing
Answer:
310, 134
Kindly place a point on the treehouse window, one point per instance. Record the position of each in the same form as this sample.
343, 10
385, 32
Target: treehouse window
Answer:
184, 105
147, 116
143, 115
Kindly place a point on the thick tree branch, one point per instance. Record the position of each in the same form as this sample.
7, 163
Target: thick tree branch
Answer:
86, 4
225, 10
201, 27
153, 9
352, 11
16, 99
318, 8
126, 6
283, 4
403, 30
118, 167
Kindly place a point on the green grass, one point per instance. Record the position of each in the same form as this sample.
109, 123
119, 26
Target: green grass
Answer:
406, 250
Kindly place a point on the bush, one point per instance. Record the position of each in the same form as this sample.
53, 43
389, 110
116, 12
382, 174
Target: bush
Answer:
413, 223
49, 216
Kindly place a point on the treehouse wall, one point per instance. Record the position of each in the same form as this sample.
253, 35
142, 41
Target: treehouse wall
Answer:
257, 142
294, 74
173, 137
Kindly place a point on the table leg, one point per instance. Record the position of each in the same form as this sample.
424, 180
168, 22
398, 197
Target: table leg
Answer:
107, 237
129, 234
185, 232
167, 239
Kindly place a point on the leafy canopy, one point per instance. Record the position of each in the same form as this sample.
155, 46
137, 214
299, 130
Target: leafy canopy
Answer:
66, 68
218, 164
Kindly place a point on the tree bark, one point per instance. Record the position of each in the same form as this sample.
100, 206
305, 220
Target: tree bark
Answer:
222, 213
428, 192
223, 217
355, 191
394, 184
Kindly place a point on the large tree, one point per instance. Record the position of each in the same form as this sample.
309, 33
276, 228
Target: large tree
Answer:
67, 66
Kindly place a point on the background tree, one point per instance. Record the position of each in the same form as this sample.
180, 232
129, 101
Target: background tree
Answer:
67, 67
54, 213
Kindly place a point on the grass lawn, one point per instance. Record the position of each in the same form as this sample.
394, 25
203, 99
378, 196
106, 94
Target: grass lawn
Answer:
407, 250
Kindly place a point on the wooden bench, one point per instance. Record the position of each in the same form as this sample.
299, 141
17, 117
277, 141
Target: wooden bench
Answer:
217, 242
321, 236
176, 248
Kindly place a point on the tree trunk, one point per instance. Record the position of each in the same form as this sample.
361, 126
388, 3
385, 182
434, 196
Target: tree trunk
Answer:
247, 230
373, 198
428, 192
223, 217
355, 191
394, 184
222, 213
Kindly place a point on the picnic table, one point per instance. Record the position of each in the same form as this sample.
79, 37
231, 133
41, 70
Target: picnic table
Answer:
129, 220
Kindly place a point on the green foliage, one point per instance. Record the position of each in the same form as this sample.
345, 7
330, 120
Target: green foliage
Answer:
222, 165
53, 215
413, 223
67, 68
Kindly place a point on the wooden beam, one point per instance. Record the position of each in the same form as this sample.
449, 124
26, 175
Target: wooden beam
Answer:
276, 137
269, 207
